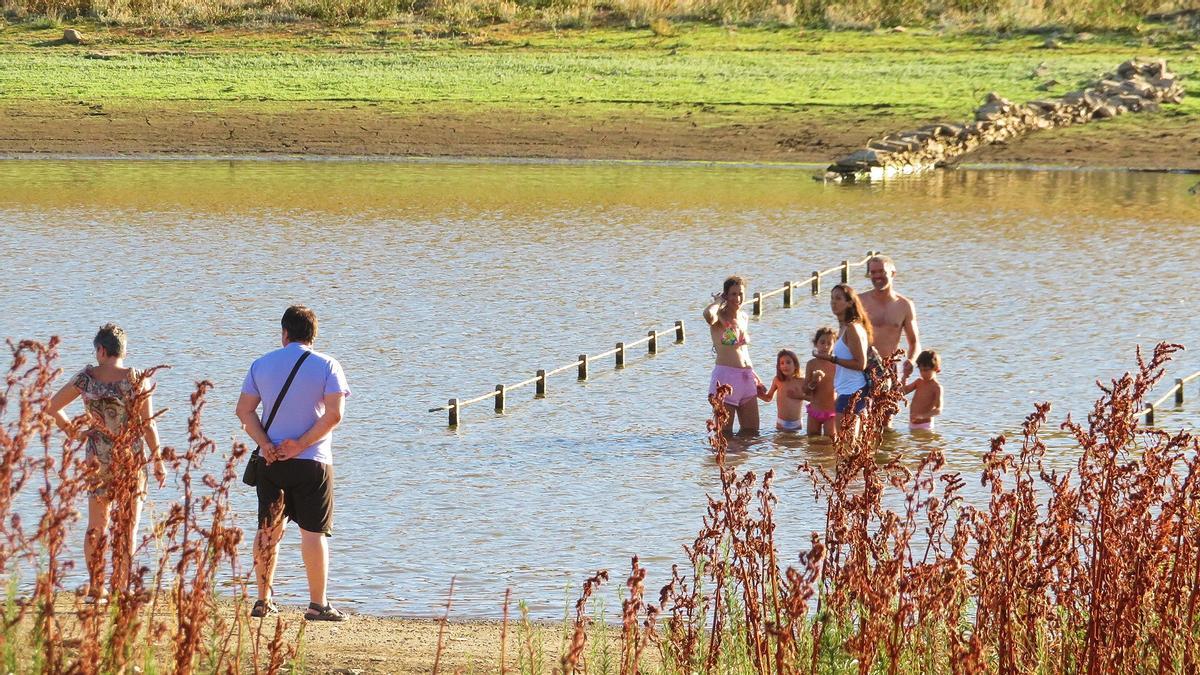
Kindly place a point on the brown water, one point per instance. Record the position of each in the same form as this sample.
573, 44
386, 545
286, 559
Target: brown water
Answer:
443, 279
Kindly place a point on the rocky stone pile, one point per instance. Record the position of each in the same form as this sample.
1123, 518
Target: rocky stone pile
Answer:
1136, 86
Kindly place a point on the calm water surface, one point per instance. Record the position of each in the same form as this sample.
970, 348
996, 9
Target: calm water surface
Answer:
440, 280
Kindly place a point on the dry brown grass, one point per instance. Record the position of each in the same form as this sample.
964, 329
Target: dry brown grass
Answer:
1000, 15
1096, 570
161, 617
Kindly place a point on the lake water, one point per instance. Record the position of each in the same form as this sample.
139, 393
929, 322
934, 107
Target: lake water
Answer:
434, 280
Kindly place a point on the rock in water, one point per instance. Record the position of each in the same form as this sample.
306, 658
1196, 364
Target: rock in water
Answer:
72, 36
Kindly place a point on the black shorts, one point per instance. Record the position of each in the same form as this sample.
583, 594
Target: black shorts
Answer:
307, 489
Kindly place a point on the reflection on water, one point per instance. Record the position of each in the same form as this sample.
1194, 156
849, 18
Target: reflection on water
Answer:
440, 280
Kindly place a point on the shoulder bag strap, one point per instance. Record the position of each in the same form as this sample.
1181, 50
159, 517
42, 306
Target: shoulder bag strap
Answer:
283, 392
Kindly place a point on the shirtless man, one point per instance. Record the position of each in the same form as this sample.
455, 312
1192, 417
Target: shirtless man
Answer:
891, 313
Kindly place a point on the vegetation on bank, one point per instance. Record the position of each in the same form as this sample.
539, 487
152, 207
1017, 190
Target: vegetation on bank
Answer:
847, 76
990, 15
1089, 570
162, 616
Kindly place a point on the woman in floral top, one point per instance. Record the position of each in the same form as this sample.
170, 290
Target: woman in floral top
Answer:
112, 394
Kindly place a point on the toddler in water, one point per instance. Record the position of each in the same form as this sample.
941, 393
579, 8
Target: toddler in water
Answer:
927, 401
790, 387
818, 376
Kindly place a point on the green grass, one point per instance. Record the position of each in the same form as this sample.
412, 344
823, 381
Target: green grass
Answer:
906, 75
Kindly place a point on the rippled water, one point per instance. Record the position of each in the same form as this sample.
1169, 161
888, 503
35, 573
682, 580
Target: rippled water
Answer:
439, 280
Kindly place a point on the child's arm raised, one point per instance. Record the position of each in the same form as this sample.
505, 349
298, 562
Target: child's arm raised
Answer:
909, 388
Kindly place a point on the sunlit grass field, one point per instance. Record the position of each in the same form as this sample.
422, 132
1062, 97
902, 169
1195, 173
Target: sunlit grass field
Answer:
910, 75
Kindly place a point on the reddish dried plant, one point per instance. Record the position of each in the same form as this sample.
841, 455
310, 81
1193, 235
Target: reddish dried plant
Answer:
1096, 570
572, 659
196, 540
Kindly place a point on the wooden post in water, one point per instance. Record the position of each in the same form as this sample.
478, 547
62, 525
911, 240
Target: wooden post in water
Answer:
620, 354
1150, 416
845, 271
453, 409
758, 304
652, 346
583, 366
787, 294
679, 332
816, 283
539, 387
1179, 391
500, 398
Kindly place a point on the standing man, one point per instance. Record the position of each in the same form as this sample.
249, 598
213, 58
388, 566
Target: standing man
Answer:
298, 454
891, 313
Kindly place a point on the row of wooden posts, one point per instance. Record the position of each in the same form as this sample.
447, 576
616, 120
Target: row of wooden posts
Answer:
1175, 391
539, 381
500, 394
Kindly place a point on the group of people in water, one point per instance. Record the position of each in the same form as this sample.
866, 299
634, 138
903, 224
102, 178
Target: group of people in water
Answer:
835, 381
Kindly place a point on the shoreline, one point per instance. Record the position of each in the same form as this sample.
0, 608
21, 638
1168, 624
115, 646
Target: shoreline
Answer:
548, 161
147, 131
756, 96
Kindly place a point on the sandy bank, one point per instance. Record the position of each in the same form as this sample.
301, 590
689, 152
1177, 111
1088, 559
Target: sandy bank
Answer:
1145, 141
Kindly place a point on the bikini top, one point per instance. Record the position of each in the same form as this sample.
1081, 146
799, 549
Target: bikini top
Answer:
733, 336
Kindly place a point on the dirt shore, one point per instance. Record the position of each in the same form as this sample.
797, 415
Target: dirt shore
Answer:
704, 133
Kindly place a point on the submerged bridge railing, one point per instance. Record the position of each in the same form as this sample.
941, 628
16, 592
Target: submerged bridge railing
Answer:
1175, 391
499, 395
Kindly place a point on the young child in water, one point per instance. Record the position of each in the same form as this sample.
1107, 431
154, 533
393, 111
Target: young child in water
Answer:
790, 387
818, 377
927, 399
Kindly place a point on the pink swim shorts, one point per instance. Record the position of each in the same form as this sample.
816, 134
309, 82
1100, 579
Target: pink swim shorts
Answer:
923, 426
820, 415
745, 385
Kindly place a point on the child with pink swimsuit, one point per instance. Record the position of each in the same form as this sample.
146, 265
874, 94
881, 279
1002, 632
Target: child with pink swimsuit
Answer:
818, 376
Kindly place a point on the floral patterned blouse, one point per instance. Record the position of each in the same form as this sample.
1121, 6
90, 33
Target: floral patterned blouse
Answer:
108, 404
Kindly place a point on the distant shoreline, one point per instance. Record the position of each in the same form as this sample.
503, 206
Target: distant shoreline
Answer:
43, 129
758, 95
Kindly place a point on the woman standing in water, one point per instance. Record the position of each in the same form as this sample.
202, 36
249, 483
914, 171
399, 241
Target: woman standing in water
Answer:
730, 339
849, 352
115, 399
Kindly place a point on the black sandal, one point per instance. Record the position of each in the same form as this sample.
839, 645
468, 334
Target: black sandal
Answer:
326, 613
263, 608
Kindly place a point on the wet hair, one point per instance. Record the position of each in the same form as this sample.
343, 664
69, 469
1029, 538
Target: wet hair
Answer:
822, 332
855, 312
300, 323
881, 258
929, 359
732, 281
795, 361
112, 338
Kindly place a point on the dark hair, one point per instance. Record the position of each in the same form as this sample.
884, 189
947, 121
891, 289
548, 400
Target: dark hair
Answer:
929, 359
855, 312
822, 332
300, 323
112, 338
795, 361
732, 281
